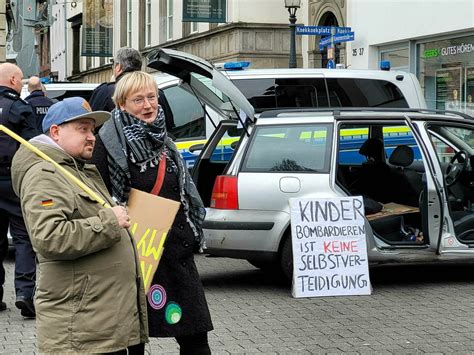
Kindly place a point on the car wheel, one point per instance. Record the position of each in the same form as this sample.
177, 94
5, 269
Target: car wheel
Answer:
286, 258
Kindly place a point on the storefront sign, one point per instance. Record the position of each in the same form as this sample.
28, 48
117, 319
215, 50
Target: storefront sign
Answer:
97, 30
329, 247
450, 50
204, 11
431, 53
458, 49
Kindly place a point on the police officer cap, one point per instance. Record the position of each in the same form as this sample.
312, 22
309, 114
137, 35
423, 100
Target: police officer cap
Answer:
71, 109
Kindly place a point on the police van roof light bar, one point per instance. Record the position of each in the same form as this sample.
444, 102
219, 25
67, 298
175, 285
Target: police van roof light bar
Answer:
236, 65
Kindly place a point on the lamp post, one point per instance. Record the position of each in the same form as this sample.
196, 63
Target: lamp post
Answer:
292, 6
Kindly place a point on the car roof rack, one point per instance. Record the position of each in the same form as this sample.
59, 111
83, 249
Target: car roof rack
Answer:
336, 111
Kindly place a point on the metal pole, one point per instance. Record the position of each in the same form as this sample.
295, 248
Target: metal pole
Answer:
65, 41
292, 62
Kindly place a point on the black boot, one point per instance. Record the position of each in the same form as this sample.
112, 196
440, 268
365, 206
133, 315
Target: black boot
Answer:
26, 305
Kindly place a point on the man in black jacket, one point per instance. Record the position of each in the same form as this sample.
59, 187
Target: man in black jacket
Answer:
38, 100
17, 115
126, 60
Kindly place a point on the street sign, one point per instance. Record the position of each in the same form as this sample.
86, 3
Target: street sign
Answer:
346, 37
330, 64
325, 41
337, 38
320, 30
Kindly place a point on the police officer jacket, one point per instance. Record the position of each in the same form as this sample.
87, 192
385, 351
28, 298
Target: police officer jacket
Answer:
17, 115
40, 104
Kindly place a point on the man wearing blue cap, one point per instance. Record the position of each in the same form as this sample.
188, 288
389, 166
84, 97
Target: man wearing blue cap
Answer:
89, 296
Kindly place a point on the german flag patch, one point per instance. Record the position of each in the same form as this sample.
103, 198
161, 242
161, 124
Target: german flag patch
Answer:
47, 203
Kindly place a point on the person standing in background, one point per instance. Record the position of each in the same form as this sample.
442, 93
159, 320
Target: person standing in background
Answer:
126, 60
17, 115
38, 100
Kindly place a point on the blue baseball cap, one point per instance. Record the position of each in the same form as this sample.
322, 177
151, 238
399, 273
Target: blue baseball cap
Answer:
71, 109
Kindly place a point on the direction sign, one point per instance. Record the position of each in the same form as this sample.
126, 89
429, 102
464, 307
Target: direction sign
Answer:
346, 37
320, 30
337, 38
330, 64
325, 41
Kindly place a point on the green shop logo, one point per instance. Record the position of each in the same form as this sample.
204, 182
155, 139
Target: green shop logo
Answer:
430, 53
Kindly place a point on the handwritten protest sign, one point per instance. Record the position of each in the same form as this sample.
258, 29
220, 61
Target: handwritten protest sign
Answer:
151, 219
329, 247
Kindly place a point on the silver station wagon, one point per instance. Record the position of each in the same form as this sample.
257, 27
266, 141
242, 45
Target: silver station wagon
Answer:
414, 169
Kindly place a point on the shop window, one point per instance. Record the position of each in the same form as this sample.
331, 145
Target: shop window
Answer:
398, 58
446, 73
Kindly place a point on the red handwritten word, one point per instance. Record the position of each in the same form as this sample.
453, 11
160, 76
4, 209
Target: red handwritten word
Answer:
340, 246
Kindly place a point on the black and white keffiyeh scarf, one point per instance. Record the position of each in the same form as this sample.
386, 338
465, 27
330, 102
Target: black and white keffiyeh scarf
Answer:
145, 142
125, 137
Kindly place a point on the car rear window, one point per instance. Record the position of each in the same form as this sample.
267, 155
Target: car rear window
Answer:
289, 148
267, 93
187, 118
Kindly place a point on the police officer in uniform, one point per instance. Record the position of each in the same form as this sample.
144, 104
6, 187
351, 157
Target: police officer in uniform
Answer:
126, 60
38, 100
16, 115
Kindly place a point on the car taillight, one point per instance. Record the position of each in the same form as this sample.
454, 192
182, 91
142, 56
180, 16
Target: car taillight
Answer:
224, 194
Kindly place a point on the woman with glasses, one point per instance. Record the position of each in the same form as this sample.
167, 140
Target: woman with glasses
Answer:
133, 151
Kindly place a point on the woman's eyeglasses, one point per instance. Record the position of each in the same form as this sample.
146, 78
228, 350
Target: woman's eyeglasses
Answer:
140, 101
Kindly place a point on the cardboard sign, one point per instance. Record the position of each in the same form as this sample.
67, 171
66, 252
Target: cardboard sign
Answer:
151, 219
329, 247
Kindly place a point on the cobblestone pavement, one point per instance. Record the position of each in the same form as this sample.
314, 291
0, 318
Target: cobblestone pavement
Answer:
416, 309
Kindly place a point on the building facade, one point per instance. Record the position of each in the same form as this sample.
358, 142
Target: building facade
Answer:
432, 39
255, 31
25, 35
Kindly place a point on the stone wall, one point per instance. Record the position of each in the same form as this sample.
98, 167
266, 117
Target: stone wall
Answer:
264, 45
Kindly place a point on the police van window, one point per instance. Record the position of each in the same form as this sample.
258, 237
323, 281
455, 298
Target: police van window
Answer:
351, 139
345, 92
272, 93
301, 148
394, 136
226, 146
187, 114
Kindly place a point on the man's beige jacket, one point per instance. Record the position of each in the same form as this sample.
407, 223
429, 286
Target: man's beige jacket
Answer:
89, 296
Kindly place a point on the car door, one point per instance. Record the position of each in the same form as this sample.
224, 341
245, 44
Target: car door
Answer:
448, 139
434, 205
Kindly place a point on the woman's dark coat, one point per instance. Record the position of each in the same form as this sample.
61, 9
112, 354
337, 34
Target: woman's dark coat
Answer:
177, 273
